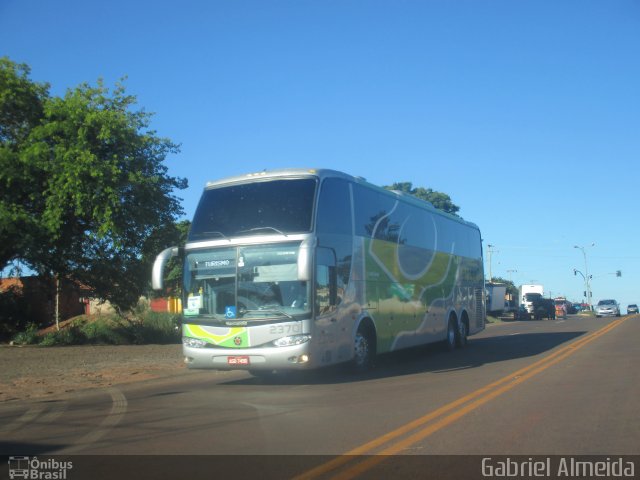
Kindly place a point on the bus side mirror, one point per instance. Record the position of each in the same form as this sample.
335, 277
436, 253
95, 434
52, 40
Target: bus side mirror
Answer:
305, 261
157, 275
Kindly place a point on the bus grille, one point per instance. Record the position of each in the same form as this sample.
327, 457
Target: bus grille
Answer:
479, 307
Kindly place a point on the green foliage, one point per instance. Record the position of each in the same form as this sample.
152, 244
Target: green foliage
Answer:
148, 328
83, 188
440, 200
68, 336
21, 108
173, 271
105, 331
14, 313
157, 328
28, 337
21, 102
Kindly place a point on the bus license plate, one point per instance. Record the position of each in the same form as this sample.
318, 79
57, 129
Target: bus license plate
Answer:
244, 360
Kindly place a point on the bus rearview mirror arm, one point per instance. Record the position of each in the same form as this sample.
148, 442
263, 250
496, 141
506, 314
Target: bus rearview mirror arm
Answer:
157, 280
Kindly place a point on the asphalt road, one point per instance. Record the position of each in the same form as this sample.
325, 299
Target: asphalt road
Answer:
538, 388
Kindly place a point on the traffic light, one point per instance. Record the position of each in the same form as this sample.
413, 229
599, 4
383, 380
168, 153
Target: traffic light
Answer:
618, 273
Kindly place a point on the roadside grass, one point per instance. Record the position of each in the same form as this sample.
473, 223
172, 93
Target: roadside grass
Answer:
139, 328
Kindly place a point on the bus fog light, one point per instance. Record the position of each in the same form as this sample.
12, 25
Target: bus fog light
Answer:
193, 342
299, 360
292, 340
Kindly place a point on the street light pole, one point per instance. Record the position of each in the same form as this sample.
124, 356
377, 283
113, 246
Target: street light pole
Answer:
490, 251
586, 274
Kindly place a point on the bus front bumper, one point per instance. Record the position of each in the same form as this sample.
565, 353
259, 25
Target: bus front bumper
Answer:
295, 357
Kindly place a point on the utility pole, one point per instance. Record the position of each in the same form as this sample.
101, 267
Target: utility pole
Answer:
587, 283
57, 313
490, 251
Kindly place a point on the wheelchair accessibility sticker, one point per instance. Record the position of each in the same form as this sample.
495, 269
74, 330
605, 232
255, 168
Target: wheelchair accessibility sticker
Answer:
230, 312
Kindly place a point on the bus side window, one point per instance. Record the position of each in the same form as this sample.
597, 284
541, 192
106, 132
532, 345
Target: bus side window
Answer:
326, 292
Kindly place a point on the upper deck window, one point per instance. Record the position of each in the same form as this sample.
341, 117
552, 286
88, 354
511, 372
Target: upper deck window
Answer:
268, 206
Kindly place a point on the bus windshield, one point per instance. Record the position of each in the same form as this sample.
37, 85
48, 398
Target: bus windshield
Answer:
277, 206
245, 283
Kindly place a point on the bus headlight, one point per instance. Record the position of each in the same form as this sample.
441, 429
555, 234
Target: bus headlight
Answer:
292, 340
193, 342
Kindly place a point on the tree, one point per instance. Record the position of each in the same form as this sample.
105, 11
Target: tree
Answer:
21, 109
21, 102
84, 191
174, 268
440, 200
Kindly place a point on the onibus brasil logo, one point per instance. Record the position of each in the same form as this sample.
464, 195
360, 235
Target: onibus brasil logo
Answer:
32, 468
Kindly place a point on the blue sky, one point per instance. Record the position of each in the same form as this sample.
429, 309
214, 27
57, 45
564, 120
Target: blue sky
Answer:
527, 113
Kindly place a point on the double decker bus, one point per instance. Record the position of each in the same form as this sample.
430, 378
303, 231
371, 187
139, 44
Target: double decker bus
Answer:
298, 269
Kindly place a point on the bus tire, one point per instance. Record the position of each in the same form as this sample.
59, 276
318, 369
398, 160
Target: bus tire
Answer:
452, 334
463, 332
364, 349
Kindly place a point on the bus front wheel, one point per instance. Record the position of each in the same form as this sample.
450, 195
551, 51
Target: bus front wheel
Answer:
364, 350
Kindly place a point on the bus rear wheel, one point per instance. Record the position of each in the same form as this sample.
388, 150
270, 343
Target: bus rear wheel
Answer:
463, 332
452, 335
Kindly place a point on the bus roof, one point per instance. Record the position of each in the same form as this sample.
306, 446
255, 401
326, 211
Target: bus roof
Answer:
288, 172
324, 173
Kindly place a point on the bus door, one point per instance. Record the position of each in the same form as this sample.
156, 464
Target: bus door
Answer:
326, 305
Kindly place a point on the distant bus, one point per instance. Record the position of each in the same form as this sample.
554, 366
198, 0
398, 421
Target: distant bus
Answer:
298, 269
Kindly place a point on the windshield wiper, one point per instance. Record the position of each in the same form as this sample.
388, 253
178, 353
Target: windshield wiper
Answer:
266, 310
257, 229
205, 317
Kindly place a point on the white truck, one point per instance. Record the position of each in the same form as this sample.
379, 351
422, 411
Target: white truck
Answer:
496, 293
528, 294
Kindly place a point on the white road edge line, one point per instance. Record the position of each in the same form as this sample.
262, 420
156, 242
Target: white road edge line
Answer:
118, 410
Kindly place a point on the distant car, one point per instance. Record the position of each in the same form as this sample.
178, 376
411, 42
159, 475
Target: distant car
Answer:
522, 313
633, 308
607, 308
